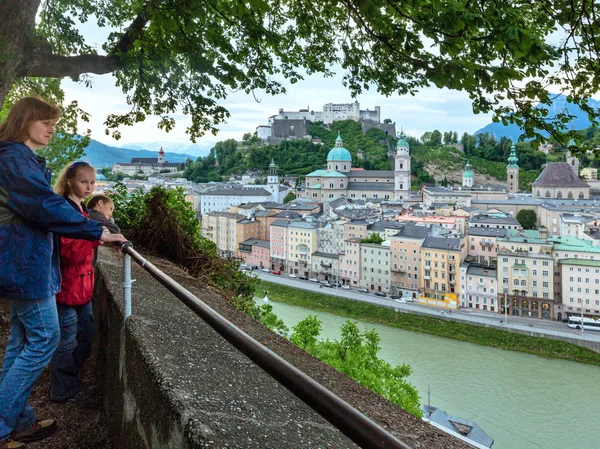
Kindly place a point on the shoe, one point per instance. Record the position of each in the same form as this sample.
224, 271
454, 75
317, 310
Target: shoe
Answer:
35, 432
86, 392
10, 444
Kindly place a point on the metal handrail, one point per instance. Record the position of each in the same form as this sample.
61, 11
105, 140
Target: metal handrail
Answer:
352, 423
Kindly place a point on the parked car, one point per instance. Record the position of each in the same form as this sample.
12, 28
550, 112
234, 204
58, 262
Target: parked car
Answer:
266, 270
326, 284
409, 299
244, 266
336, 284
255, 267
383, 295
363, 290
303, 278
400, 300
346, 287
315, 280
395, 296
276, 272
292, 275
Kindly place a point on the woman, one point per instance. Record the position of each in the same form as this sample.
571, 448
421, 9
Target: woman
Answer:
30, 214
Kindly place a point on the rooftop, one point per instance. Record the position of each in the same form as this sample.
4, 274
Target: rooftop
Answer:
487, 232
326, 174
375, 186
450, 244
558, 174
581, 262
257, 242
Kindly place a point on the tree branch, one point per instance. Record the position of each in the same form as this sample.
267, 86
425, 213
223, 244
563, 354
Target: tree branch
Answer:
53, 66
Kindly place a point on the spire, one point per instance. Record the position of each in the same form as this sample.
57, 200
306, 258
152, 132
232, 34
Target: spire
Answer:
338, 141
272, 164
513, 160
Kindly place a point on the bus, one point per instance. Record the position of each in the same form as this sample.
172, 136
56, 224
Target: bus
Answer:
590, 324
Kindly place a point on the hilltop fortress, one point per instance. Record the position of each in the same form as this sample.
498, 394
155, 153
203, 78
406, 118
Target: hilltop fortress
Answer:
296, 124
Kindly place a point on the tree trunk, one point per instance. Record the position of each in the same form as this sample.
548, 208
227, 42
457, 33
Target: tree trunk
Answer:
16, 29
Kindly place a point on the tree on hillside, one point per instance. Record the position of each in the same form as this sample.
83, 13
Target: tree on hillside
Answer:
186, 56
291, 196
355, 354
527, 218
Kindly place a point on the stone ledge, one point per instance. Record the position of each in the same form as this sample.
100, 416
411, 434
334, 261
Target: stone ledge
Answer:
170, 381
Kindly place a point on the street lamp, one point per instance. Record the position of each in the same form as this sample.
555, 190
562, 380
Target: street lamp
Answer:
505, 309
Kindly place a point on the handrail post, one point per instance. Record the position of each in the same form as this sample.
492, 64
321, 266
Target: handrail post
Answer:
127, 281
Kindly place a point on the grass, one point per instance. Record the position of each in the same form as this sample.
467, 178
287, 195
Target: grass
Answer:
480, 335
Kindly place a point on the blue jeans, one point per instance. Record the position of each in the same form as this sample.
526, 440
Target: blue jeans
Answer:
76, 338
34, 335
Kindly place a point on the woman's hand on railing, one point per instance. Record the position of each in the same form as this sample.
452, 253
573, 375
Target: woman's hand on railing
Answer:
107, 237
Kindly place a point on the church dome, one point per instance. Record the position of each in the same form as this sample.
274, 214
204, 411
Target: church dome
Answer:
468, 173
339, 153
402, 142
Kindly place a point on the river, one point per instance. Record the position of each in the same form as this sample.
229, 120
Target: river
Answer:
522, 401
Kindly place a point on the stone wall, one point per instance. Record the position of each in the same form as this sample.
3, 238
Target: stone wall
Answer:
169, 381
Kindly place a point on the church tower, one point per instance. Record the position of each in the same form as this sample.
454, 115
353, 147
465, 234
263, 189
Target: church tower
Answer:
572, 160
161, 156
512, 171
402, 168
273, 181
467, 177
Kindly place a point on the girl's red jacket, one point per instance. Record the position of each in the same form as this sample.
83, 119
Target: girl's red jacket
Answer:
76, 268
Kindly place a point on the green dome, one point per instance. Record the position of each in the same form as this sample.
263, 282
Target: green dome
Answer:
513, 160
339, 153
402, 142
468, 173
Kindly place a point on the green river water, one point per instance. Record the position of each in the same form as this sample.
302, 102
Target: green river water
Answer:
522, 401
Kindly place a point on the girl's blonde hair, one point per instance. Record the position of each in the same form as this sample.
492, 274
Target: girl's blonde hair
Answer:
61, 186
22, 114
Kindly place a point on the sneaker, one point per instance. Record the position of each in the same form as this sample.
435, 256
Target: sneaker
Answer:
37, 431
86, 392
10, 444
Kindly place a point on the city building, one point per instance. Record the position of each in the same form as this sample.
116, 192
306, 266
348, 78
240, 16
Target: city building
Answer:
332, 112
490, 219
255, 252
440, 262
478, 287
340, 179
580, 287
375, 267
467, 176
526, 273
559, 181
481, 244
325, 266
228, 230
147, 166
222, 197
512, 171
405, 256
302, 243
278, 238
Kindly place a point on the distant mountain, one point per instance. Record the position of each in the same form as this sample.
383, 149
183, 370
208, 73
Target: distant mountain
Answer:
100, 155
197, 149
513, 131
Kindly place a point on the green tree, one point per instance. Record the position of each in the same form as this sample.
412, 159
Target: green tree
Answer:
374, 238
291, 196
436, 138
387, 121
355, 354
187, 56
527, 218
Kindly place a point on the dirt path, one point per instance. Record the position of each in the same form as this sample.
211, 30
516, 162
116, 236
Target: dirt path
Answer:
80, 426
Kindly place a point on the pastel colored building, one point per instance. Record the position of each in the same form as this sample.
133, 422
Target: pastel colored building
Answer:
482, 245
255, 252
375, 267
279, 244
302, 242
440, 262
478, 287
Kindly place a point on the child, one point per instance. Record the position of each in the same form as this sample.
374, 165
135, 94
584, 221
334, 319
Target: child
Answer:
100, 208
75, 183
30, 212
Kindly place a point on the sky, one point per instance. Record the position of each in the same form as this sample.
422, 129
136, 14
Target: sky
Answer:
430, 109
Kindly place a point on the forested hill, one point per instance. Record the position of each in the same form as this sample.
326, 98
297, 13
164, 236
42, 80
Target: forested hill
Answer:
432, 157
293, 157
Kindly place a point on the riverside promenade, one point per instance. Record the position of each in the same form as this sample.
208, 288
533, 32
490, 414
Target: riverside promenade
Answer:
527, 326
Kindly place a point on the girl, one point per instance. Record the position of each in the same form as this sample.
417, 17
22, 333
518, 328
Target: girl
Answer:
30, 212
75, 183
